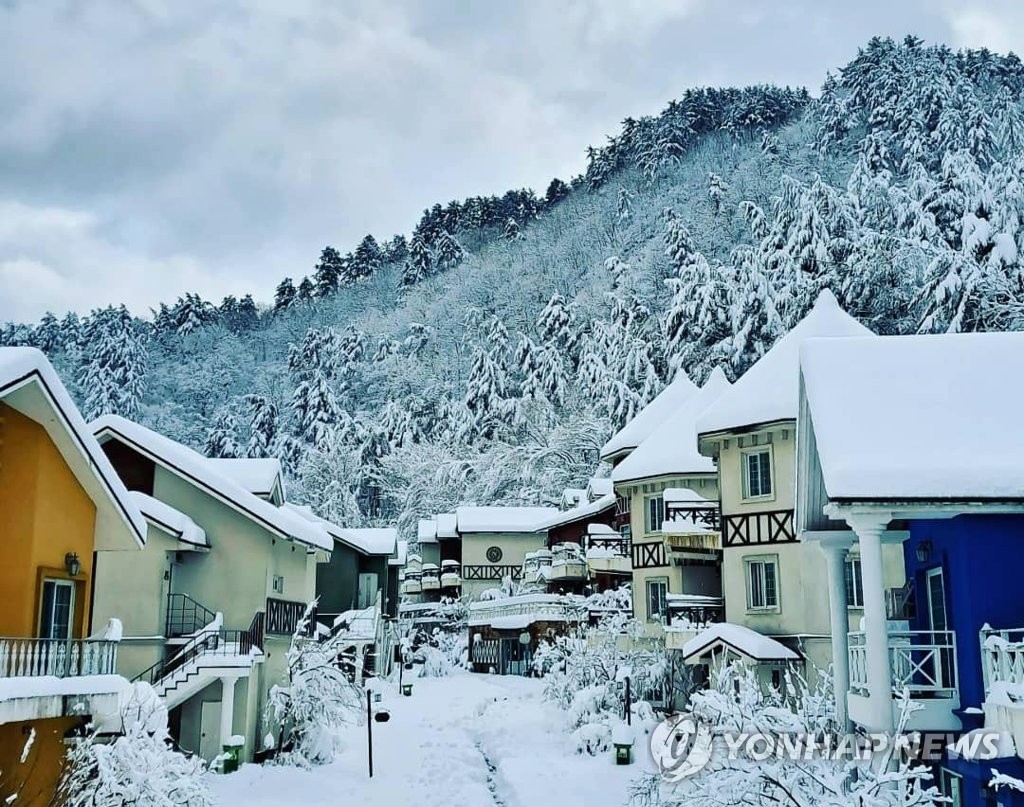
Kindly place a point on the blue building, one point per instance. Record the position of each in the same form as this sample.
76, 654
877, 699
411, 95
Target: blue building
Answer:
916, 441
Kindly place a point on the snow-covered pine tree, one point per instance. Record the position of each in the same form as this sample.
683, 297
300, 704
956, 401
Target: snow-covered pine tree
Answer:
448, 252
512, 229
624, 204
112, 369
263, 426
717, 188
284, 294
221, 437
418, 263
327, 273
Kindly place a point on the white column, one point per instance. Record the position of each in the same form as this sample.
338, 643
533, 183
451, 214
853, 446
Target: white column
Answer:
876, 635
227, 708
835, 560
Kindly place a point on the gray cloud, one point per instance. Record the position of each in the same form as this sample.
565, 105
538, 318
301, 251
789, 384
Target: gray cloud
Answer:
153, 148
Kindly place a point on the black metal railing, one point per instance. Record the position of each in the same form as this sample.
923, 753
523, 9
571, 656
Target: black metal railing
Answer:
697, 615
617, 544
219, 642
704, 514
186, 616
283, 617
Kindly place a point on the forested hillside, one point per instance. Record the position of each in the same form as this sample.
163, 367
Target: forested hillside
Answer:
486, 357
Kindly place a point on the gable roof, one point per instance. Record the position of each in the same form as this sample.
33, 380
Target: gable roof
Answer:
768, 391
502, 519
917, 417
447, 525
740, 640
172, 521
671, 448
260, 476
578, 513
196, 469
29, 384
636, 431
371, 541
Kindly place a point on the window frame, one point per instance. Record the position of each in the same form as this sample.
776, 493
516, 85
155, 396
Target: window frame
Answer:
659, 581
649, 528
745, 456
58, 583
853, 579
762, 560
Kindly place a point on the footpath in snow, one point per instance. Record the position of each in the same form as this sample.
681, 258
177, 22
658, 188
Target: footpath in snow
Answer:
466, 740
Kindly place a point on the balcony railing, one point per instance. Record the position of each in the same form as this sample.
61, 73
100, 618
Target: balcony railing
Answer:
616, 544
702, 514
283, 617
924, 662
62, 658
1002, 656
541, 607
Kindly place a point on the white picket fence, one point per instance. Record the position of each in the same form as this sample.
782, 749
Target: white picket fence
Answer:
63, 658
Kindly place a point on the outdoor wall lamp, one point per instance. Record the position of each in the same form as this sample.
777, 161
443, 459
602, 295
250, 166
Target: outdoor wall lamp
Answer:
72, 563
924, 551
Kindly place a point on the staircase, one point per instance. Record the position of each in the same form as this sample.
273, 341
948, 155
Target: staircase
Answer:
210, 653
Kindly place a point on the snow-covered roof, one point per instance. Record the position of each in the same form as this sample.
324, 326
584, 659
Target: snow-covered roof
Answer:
601, 529
375, 540
599, 486
560, 517
739, 639
768, 391
572, 496
502, 519
199, 471
29, 384
380, 541
918, 417
674, 495
257, 475
401, 554
426, 531
671, 448
635, 432
447, 525
171, 521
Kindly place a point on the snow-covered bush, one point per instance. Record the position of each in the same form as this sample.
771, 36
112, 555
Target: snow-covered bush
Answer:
737, 702
443, 652
139, 767
316, 700
585, 675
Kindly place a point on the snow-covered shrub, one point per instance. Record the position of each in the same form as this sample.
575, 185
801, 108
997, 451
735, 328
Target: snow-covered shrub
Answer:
139, 767
585, 676
316, 700
737, 702
443, 652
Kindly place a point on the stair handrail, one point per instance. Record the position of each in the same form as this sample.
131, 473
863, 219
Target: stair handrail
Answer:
180, 604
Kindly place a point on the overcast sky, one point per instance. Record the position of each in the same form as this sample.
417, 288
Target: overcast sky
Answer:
153, 147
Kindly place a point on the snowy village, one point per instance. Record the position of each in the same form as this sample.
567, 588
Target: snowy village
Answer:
694, 480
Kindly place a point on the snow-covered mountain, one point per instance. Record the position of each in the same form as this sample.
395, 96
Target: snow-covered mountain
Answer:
487, 357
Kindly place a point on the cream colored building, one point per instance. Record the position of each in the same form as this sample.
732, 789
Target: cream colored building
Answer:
210, 604
773, 583
675, 547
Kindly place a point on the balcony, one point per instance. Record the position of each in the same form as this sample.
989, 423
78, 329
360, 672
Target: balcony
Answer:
59, 678
609, 553
923, 663
568, 563
30, 658
450, 577
1002, 657
516, 613
431, 580
411, 584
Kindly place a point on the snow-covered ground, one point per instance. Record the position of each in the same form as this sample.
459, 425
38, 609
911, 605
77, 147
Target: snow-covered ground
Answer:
466, 740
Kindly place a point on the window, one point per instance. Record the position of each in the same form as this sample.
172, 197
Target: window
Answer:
626, 531
757, 474
854, 586
762, 584
655, 513
950, 787
656, 597
278, 584
58, 609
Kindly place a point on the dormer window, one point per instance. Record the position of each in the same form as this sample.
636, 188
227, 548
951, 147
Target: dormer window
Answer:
757, 474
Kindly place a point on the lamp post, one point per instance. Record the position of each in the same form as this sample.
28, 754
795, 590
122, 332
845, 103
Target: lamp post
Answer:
369, 730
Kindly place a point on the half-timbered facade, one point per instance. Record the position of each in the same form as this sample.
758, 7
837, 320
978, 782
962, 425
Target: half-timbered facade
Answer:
772, 583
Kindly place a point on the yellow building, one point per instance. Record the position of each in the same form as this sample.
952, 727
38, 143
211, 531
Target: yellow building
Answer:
60, 502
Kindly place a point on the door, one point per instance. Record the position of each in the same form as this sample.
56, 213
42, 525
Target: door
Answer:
58, 609
938, 626
367, 589
209, 730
